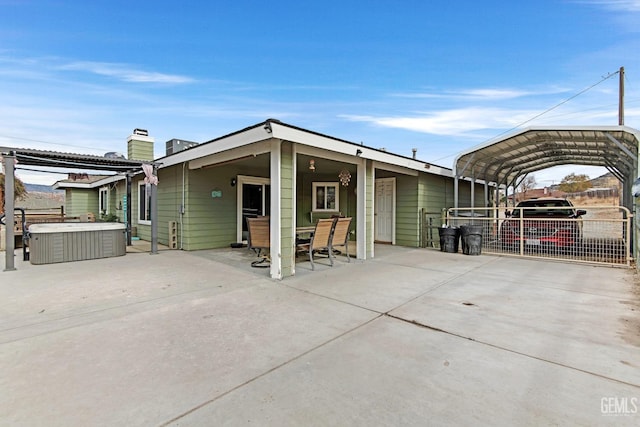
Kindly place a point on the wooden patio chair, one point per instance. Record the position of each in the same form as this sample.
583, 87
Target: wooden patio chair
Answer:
340, 236
321, 240
259, 239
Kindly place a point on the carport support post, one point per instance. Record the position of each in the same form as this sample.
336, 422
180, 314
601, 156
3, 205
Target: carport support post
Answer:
154, 214
473, 194
455, 194
486, 195
9, 186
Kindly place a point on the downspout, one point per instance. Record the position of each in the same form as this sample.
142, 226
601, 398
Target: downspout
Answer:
154, 211
182, 207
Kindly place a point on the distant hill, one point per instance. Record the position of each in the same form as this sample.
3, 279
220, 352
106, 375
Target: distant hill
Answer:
38, 188
41, 197
607, 180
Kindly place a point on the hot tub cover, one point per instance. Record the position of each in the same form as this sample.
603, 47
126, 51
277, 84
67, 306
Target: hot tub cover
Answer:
71, 227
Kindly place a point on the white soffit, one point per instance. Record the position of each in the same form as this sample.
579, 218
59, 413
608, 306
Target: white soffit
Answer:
246, 151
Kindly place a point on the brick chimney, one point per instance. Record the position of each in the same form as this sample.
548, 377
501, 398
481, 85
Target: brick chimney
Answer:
140, 145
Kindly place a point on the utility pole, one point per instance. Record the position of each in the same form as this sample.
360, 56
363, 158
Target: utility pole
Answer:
621, 98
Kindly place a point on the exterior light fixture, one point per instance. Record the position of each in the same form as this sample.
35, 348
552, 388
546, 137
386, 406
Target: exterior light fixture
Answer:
267, 127
312, 165
358, 152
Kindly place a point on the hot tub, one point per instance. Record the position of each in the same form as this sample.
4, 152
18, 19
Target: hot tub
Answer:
64, 242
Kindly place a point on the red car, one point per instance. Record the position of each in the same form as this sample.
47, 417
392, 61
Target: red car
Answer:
542, 224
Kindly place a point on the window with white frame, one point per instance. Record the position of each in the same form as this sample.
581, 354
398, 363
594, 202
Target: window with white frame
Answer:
144, 203
103, 200
325, 196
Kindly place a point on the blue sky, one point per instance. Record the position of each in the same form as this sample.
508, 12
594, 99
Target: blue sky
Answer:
438, 76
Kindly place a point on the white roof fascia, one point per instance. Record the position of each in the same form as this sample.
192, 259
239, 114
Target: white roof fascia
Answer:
95, 184
351, 150
59, 185
236, 140
254, 150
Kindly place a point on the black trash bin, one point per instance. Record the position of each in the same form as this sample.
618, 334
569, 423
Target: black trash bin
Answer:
449, 239
471, 239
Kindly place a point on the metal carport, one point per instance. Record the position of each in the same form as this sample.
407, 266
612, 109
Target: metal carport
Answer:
505, 161
53, 159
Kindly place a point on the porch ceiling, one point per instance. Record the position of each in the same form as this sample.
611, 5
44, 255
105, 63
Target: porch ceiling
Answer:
323, 165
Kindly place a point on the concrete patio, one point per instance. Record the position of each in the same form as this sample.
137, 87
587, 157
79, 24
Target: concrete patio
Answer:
411, 337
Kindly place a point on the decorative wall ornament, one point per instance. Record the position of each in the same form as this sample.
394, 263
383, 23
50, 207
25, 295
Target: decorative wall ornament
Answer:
345, 177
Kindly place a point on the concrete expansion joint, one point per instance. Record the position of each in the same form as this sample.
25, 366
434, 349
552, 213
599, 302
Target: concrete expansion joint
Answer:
433, 328
379, 313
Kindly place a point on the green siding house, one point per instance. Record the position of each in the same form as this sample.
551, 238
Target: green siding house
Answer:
294, 176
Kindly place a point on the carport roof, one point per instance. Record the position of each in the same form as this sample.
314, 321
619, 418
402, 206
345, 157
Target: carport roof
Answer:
504, 159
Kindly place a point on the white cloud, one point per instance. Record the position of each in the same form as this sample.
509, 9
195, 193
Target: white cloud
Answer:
125, 73
618, 5
483, 93
450, 122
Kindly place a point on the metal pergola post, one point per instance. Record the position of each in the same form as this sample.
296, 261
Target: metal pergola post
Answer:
9, 206
128, 213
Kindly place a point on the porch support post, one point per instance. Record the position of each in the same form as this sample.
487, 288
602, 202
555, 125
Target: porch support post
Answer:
9, 206
276, 209
294, 203
154, 214
361, 210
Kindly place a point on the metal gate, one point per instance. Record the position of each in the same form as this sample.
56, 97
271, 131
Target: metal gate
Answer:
589, 234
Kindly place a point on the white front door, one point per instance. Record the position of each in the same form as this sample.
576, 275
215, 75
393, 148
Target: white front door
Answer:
384, 210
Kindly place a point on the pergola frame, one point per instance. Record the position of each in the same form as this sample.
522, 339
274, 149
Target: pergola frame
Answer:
53, 159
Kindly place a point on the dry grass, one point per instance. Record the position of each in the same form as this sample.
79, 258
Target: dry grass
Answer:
595, 201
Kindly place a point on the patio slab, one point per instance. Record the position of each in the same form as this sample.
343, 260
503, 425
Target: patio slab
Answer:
564, 323
140, 359
390, 373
